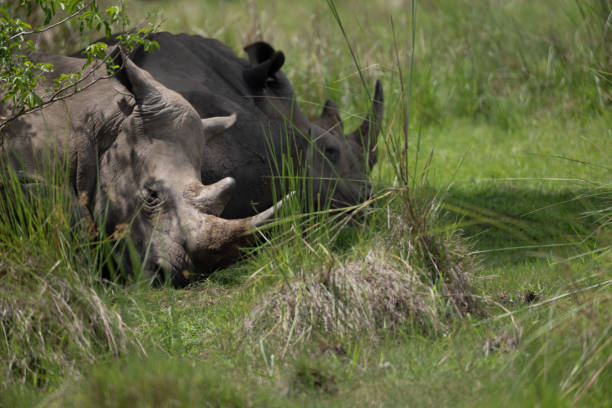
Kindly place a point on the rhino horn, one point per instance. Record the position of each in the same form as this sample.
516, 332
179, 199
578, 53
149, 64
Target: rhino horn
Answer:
265, 217
219, 233
367, 133
213, 198
216, 125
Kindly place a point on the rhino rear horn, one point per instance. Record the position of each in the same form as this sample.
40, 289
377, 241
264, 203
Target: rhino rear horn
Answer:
213, 198
265, 62
367, 133
218, 124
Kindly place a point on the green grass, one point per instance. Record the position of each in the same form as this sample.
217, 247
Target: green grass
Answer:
513, 99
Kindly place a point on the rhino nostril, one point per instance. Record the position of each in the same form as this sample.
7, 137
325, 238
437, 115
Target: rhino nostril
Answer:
162, 273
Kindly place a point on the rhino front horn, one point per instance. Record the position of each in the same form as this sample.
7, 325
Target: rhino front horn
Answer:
265, 217
212, 233
367, 133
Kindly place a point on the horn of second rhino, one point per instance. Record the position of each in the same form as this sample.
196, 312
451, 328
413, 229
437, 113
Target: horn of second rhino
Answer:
367, 133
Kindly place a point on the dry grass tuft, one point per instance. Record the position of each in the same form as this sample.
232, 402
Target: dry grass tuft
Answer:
380, 292
52, 323
55, 315
440, 259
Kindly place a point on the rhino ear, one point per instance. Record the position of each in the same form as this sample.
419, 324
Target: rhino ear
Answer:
367, 134
265, 63
259, 52
330, 118
218, 124
138, 81
116, 56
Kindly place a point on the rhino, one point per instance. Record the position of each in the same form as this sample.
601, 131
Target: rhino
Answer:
270, 126
134, 150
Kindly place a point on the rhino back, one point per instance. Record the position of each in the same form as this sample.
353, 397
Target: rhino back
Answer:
209, 75
205, 71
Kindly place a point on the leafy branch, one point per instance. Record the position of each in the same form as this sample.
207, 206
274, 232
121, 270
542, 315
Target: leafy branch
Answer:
20, 76
49, 27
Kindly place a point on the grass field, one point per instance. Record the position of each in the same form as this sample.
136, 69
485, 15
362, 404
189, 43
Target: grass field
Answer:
506, 193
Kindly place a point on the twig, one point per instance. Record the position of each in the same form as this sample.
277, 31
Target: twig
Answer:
49, 27
55, 96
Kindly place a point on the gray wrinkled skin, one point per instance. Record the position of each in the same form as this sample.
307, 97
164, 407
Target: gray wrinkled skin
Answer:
270, 124
134, 149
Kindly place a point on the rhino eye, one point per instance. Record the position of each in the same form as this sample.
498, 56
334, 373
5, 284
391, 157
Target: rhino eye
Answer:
153, 199
332, 154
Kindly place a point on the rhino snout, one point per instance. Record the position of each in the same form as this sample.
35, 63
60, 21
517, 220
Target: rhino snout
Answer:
210, 238
196, 239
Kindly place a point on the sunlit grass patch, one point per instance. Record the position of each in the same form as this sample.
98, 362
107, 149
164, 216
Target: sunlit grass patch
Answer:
563, 357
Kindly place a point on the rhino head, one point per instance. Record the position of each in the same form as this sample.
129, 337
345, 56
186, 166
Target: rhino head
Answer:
338, 164
150, 186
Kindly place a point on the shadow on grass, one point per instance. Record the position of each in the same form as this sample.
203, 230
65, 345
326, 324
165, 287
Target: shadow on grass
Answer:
504, 225
507, 224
